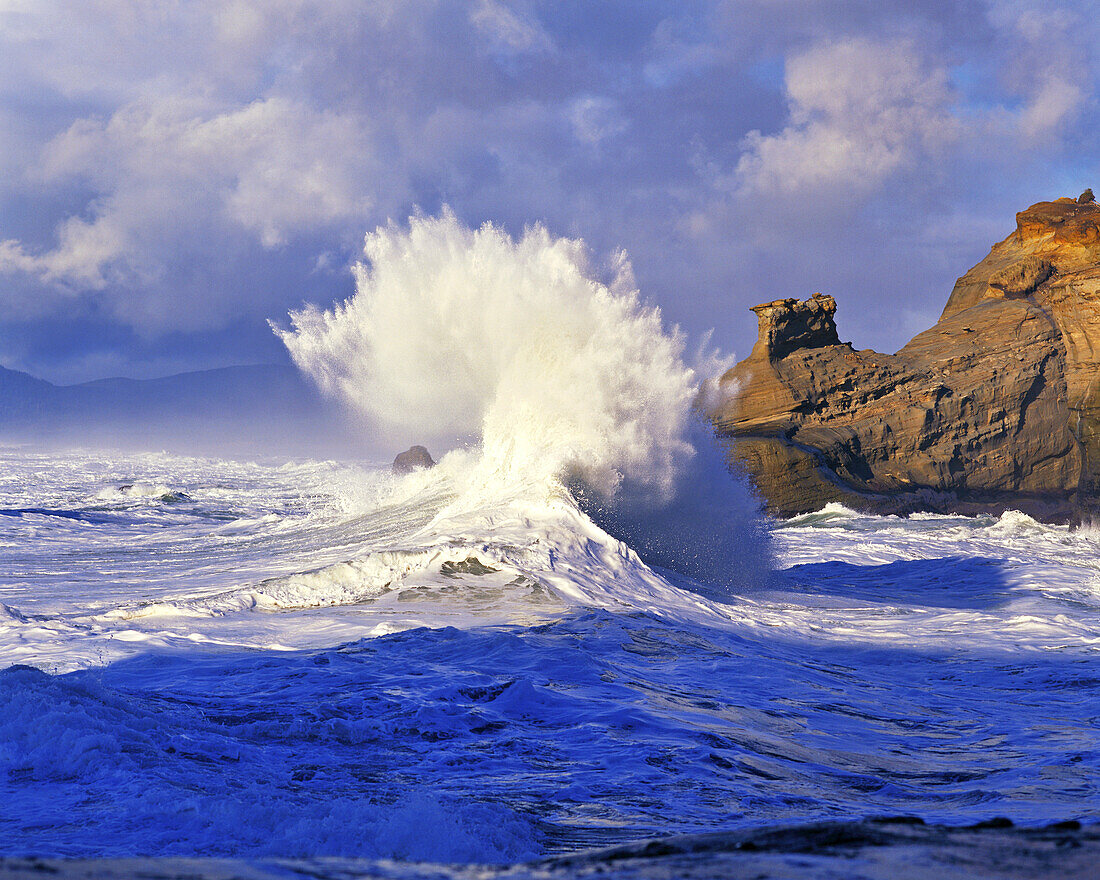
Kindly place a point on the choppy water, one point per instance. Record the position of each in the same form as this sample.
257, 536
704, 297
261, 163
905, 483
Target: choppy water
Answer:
574, 631
222, 658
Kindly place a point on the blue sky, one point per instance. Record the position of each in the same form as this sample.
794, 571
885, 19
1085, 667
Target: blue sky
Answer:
174, 174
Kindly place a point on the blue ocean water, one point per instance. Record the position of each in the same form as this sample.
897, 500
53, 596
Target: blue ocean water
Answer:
576, 630
168, 689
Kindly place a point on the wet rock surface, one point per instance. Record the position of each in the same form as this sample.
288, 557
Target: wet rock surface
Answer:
413, 458
890, 849
996, 406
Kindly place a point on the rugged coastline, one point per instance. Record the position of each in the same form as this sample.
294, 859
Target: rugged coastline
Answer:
995, 406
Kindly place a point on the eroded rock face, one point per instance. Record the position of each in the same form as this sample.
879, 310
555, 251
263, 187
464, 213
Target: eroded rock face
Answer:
997, 405
1021, 278
787, 324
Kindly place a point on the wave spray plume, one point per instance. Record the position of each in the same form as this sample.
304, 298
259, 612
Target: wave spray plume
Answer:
457, 335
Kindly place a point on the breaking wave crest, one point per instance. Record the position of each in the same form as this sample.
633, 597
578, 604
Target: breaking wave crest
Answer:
539, 376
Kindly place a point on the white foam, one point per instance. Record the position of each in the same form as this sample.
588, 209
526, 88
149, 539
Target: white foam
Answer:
577, 408
553, 378
455, 333
831, 511
138, 490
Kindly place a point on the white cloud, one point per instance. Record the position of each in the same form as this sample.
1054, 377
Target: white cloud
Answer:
272, 166
270, 169
1053, 102
507, 30
1046, 63
193, 130
859, 110
595, 119
82, 258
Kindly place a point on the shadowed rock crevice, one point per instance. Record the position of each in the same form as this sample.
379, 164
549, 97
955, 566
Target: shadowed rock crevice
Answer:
995, 406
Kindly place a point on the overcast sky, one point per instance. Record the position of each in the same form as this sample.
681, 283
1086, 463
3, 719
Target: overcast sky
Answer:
173, 173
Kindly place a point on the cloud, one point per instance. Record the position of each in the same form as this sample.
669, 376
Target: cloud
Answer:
859, 110
173, 170
1052, 103
509, 30
81, 258
594, 119
272, 168
1046, 63
199, 136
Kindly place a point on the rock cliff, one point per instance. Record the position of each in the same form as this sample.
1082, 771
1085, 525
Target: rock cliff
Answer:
997, 405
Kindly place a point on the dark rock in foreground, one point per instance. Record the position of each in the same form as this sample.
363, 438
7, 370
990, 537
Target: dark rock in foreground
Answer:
996, 406
413, 458
888, 849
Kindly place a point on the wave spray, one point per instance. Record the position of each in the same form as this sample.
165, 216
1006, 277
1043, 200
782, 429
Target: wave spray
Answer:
512, 346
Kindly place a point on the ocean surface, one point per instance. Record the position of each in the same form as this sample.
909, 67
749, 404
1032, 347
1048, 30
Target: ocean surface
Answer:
206, 657
574, 632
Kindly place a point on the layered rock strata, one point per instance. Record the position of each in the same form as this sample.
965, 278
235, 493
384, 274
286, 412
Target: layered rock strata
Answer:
997, 405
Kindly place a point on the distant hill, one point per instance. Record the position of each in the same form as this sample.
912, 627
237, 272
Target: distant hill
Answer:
21, 396
263, 408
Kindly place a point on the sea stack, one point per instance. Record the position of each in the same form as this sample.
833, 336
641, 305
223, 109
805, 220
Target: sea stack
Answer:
997, 405
413, 458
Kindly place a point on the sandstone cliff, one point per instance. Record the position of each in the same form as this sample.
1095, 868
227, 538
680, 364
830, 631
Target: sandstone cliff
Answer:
997, 405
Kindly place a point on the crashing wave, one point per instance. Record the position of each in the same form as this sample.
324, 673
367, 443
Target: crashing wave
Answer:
553, 377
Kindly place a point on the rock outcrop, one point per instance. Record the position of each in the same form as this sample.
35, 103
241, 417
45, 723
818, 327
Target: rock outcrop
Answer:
885, 848
413, 458
997, 405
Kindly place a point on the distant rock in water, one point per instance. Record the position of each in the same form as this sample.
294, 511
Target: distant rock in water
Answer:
997, 405
412, 459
